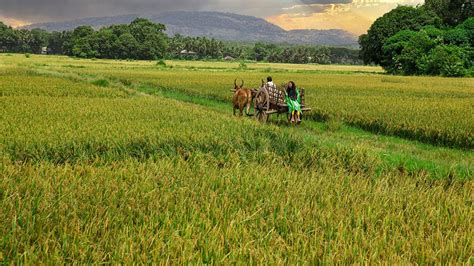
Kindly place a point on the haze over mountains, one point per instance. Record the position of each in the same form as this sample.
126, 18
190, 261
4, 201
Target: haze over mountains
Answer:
222, 26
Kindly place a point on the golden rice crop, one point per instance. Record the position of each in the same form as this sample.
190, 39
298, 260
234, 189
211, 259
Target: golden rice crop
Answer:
429, 109
92, 177
166, 210
14, 83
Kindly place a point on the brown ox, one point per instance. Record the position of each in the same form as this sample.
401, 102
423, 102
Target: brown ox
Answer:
242, 98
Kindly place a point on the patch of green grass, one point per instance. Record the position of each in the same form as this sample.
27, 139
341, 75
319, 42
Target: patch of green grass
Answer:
126, 82
333, 124
74, 66
161, 63
101, 83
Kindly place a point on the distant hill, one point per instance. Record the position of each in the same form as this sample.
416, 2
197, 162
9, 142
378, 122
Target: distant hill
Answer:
222, 26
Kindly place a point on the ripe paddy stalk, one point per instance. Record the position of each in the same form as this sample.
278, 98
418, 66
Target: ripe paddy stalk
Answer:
122, 179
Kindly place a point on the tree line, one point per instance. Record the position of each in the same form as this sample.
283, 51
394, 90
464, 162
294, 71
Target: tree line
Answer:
204, 48
436, 38
143, 39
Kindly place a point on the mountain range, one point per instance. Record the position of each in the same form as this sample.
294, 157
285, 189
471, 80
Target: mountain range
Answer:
218, 25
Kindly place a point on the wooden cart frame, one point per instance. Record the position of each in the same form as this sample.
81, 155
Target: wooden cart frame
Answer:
270, 100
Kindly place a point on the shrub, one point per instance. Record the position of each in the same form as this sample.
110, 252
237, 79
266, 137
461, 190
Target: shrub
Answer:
445, 60
126, 82
403, 50
101, 83
468, 26
161, 63
430, 51
457, 36
470, 72
433, 32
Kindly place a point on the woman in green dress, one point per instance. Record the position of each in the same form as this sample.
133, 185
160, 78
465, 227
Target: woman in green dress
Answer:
293, 100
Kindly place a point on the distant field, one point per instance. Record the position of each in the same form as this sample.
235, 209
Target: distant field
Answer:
107, 161
274, 66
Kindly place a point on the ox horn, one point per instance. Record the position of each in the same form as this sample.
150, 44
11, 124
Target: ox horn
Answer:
235, 82
242, 84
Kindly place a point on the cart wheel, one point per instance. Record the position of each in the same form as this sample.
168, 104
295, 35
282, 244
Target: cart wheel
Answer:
262, 116
262, 104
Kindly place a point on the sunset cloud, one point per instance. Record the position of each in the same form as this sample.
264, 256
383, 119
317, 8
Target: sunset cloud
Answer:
13, 22
355, 16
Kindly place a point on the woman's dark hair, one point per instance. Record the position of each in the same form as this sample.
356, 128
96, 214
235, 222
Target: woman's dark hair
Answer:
293, 85
269, 79
291, 90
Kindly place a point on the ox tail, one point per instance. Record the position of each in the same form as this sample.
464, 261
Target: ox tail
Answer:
247, 111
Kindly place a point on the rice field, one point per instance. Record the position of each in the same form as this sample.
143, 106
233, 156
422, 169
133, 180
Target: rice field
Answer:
417, 108
125, 162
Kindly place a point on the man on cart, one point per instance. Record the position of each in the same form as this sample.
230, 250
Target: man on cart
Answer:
270, 82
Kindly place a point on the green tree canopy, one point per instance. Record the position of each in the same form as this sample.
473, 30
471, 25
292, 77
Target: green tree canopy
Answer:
39, 40
8, 38
446, 60
142, 39
400, 18
151, 38
452, 12
468, 26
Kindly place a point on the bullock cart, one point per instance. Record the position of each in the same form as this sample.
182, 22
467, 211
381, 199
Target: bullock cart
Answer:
270, 100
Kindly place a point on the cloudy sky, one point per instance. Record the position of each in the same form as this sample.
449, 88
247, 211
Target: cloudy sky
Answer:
352, 15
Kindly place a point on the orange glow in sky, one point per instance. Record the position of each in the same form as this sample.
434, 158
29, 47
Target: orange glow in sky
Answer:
355, 17
13, 22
